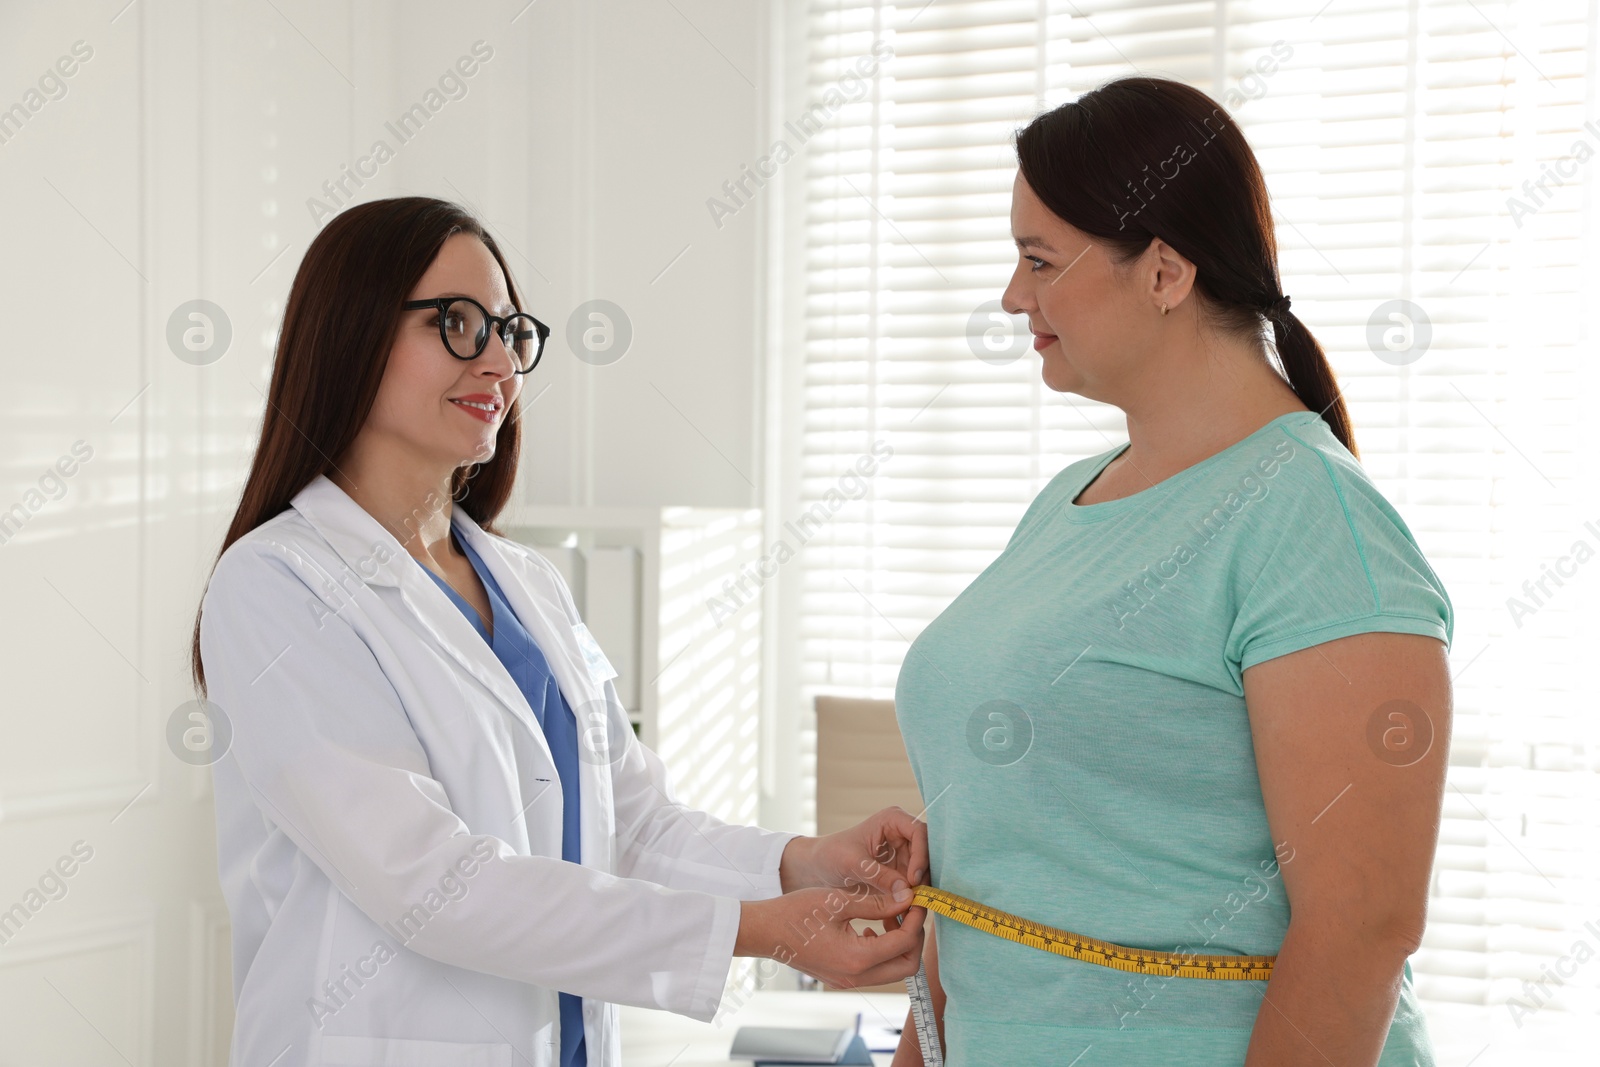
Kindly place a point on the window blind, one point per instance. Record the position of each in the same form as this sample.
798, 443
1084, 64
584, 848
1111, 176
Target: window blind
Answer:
1436, 152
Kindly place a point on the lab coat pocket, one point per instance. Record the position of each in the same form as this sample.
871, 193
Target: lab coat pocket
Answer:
409, 1052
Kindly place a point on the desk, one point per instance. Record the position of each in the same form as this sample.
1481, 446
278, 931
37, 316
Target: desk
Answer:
658, 1038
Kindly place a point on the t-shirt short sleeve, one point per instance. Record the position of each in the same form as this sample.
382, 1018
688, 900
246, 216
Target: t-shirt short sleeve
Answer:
1330, 560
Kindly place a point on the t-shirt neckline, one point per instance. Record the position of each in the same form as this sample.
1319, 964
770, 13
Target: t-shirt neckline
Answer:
1106, 508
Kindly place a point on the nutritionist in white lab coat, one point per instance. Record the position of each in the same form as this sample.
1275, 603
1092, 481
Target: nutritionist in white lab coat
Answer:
439, 840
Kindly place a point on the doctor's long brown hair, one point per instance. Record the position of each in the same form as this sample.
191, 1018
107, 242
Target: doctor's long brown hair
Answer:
339, 325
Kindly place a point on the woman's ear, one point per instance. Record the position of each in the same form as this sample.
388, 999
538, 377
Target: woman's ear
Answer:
1170, 276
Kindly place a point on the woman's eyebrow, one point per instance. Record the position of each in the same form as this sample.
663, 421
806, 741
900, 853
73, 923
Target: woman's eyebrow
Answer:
503, 309
1034, 242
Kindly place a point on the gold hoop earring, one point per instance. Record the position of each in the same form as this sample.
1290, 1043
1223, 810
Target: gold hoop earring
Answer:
1163, 309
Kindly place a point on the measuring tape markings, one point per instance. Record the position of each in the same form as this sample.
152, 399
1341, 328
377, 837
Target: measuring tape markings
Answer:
1089, 949
922, 1015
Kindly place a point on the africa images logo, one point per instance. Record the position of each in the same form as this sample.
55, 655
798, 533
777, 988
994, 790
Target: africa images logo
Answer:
1139, 593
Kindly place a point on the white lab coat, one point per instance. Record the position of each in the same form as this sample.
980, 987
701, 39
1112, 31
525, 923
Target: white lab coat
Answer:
388, 785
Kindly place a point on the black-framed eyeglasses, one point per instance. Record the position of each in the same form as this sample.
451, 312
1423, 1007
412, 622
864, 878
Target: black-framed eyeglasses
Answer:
465, 326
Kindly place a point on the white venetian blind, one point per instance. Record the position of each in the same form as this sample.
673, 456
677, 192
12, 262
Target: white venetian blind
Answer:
1396, 139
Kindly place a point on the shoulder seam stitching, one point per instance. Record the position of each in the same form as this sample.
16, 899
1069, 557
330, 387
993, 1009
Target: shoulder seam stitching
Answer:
1361, 550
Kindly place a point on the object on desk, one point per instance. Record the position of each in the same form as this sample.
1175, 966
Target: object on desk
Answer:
880, 1037
781, 1046
856, 1054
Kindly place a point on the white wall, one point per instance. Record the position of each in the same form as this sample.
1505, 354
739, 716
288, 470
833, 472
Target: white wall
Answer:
177, 166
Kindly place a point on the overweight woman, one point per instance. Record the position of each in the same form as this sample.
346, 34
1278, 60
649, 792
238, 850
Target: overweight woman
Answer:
1199, 705
439, 840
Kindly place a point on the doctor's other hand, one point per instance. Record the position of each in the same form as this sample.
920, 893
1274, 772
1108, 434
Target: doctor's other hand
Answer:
887, 851
810, 930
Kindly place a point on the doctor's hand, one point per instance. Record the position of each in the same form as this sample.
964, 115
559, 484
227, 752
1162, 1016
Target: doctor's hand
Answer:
887, 851
810, 930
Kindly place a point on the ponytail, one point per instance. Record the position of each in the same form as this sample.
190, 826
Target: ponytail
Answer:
1311, 376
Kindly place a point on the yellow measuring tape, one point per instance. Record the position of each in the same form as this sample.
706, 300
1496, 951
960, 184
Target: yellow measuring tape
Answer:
1088, 949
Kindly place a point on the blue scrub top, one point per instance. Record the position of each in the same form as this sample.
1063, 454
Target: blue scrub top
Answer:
521, 657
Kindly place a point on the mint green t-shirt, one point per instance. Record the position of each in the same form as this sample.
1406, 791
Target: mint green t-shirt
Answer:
1077, 724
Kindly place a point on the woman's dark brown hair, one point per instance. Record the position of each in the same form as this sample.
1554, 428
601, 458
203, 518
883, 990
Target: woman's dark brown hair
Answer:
1140, 158
339, 325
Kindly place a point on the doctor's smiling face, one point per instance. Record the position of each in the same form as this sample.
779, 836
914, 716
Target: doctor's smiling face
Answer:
431, 410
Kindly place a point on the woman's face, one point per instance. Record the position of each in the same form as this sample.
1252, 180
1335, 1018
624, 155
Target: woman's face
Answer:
418, 405
1089, 322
